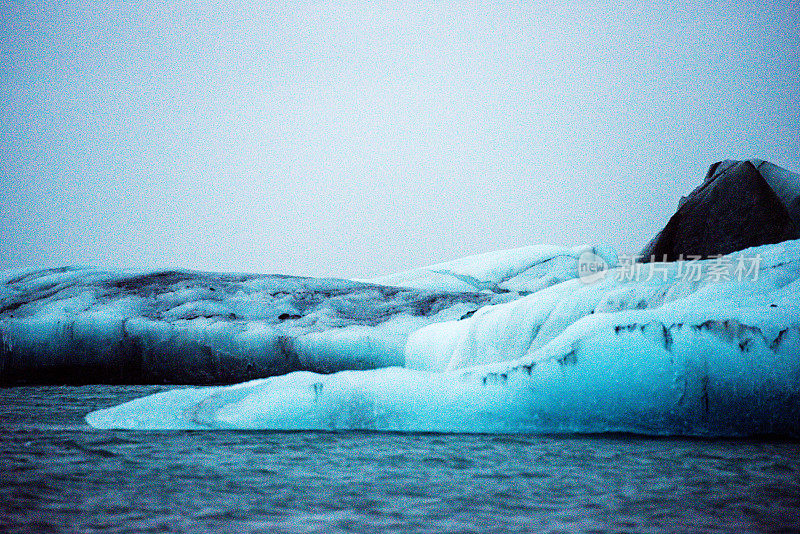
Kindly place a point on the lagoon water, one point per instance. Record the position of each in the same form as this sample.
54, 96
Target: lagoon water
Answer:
59, 475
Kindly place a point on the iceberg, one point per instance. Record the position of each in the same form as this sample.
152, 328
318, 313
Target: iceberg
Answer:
705, 342
698, 348
86, 325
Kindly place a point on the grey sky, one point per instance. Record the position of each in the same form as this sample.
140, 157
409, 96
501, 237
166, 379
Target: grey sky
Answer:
352, 141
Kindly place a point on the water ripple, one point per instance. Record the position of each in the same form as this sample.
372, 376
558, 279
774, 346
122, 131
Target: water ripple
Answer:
57, 475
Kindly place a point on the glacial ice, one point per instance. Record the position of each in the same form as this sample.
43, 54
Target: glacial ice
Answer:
658, 352
81, 324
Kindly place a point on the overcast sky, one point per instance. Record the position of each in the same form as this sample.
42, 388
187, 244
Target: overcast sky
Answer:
345, 140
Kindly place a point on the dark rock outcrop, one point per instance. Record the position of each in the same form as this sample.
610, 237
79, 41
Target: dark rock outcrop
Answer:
740, 204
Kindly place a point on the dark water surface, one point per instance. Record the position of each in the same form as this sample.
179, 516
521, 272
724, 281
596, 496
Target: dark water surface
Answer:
59, 475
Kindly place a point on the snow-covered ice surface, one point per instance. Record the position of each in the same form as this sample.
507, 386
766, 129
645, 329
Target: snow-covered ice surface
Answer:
656, 353
521, 270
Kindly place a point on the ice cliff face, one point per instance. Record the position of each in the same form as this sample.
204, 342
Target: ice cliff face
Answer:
83, 325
